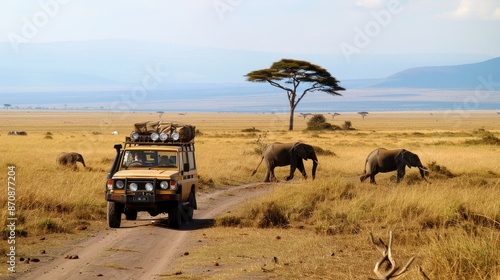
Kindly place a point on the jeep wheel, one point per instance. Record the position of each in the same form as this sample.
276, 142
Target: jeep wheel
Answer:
174, 216
189, 208
130, 215
114, 215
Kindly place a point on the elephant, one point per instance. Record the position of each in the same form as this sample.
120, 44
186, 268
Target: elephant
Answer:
283, 154
70, 159
383, 160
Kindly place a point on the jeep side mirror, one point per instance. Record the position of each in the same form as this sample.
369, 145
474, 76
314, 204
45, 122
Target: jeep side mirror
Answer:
185, 168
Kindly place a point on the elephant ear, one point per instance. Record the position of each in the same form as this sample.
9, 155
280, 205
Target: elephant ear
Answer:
403, 158
299, 149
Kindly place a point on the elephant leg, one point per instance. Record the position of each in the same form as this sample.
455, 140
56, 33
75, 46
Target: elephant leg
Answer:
401, 174
268, 173
273, 177
300, 167
372, 179
292, 171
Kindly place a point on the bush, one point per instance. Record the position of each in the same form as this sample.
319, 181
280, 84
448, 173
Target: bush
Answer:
253, 129
487, 138
440, 170
273, 216
347, 125
261, 143
318, 122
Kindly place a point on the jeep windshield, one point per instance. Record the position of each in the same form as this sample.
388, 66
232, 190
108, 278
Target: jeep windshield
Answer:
149, 158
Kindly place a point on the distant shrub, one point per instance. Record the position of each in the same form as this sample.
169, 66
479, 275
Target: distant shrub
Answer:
48, 133
318, 122
253, 129
48, 137
487, 138
96, 133
347, 125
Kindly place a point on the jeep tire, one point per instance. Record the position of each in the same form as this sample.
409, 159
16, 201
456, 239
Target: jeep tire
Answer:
174, 216
114, 215
188, 208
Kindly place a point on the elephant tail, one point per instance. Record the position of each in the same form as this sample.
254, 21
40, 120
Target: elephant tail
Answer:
364, 171
255, 171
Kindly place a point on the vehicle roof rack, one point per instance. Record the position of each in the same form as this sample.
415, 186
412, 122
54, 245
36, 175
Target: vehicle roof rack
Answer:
149, 141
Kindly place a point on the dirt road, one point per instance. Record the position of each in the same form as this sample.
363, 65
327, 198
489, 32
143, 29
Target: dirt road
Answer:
140, 249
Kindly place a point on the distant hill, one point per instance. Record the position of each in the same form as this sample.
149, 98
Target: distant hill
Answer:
104, 64
458, 77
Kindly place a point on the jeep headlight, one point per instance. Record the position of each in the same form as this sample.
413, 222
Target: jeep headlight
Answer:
175, 136
149, 187
155, 136
163, 136
134, 136
119, 184
164, 185
133, 187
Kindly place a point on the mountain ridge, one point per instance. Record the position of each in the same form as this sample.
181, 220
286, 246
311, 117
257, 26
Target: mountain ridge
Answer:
123, 63
471, 76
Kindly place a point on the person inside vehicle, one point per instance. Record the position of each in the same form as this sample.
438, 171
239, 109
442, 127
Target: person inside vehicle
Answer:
138, 159
163, 161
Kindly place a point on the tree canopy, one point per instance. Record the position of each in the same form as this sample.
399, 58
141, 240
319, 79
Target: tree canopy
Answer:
289, 74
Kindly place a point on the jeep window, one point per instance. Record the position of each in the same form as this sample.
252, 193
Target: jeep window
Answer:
148, 158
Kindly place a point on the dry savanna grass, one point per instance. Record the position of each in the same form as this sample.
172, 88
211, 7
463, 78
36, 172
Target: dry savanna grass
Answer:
304, 229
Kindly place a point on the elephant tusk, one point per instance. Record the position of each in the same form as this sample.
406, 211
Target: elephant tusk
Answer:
423, 169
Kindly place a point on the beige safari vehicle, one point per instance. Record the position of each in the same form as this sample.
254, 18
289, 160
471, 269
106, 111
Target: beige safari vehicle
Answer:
154, 171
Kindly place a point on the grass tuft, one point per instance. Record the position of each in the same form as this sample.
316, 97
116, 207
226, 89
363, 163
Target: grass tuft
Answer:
48, 225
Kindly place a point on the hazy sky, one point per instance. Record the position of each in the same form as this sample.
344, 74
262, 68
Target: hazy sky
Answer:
287, 26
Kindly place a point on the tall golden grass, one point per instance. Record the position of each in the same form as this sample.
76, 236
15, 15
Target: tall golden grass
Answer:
451, 224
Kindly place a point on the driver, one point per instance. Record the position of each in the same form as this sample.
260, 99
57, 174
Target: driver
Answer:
138, 159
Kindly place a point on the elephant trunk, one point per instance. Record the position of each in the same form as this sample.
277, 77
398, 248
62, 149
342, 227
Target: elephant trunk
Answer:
422, 172
83, 162
315, 165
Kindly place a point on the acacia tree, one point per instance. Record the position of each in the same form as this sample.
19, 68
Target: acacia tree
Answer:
293, 73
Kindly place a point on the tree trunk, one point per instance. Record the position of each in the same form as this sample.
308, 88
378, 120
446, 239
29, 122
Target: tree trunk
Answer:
290, 126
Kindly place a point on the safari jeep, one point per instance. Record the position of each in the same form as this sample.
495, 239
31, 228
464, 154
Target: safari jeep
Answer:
153, 171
